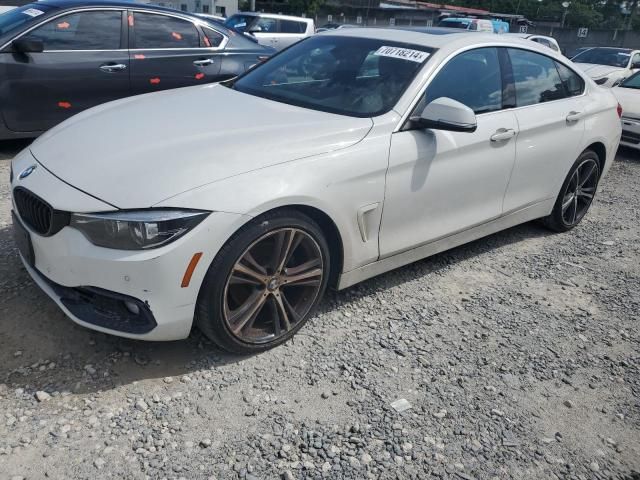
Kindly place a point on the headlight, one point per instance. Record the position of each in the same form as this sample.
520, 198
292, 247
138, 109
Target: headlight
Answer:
136, 229
601, 81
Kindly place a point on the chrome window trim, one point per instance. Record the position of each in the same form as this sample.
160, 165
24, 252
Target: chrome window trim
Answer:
194, 21
62, 14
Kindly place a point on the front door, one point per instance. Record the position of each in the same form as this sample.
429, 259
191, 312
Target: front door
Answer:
440, 182
170, 52
85, 62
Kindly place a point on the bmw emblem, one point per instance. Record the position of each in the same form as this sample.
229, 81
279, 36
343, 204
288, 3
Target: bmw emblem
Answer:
27, 171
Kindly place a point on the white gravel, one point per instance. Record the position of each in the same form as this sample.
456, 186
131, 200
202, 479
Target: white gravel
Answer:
517, 355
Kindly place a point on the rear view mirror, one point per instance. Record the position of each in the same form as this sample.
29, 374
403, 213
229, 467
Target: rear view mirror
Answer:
446, 114
28, 45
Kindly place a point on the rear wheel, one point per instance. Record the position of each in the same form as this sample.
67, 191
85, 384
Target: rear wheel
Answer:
576, 194
264, 283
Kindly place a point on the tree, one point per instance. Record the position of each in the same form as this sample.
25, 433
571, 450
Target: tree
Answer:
308, 7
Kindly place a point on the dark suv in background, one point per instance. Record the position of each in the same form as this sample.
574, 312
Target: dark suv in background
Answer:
59, 57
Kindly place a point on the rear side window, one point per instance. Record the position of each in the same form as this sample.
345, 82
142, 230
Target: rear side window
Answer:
573, 83
290, 26
472, 78
213, 38
81, 31
161, 31
536, 78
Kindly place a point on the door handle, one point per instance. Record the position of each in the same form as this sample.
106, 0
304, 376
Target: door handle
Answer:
503, 134
203, 62
574, 116
113, 67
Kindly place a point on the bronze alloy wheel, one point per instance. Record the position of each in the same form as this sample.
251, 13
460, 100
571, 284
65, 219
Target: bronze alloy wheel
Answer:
273, 285
580, 191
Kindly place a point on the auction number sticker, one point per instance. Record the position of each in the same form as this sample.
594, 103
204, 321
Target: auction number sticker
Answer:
402, 53
33, 12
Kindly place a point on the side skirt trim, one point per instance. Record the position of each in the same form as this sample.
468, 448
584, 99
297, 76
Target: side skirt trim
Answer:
523, 215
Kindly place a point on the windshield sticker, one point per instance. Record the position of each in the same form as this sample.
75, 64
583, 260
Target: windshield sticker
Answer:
402, 53
33, 12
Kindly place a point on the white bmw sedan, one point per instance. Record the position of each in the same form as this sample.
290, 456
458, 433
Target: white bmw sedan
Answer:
233, 207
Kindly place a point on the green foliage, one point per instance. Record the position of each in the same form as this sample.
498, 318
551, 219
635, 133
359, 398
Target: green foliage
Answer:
309, 7
600, 14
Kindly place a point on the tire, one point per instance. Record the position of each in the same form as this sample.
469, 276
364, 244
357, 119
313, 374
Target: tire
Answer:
251, 299
565, 215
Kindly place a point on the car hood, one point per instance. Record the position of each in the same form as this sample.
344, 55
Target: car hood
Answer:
136, 152
599, 71
629, 99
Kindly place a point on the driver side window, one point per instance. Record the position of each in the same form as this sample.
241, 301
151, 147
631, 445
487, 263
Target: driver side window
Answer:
93, 30
472, 78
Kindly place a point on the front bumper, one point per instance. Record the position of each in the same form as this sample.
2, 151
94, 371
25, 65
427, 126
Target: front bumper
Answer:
77, 274
630, 132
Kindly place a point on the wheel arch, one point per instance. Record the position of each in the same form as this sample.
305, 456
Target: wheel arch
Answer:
601, 150
330, 230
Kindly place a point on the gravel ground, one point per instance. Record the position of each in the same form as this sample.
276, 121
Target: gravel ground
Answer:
516, 356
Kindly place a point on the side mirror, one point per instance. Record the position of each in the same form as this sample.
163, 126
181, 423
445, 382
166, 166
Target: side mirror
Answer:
635, 65
28, 45
446, 114
256, 29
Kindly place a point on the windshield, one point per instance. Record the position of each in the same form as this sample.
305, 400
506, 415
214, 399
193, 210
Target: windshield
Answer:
19, 17
614, 57
359, 77
240, 22
632, 82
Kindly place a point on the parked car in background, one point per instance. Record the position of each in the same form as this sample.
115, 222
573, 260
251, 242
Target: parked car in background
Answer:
608, 66
628, 94
499, 26
474, 24
335, 26
233, 206
60, 57
541, 39
576, 51
277, 31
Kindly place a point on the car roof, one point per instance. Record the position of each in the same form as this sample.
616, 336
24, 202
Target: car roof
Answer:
64, 4
436, 37
446, 39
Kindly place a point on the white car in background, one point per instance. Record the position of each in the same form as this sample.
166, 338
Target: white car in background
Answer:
608, 66
393, 146
628, 94
550, 42
277, 31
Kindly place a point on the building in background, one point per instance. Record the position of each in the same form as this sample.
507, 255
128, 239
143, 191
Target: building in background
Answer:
224, 8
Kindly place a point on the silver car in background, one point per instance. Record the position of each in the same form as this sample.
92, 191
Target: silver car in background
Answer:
277, 31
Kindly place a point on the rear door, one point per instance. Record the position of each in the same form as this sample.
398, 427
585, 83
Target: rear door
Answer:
85, 62
551, 112
266, 31
169, 52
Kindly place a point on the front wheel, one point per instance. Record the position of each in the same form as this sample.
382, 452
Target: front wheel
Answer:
264, 283
576, 194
